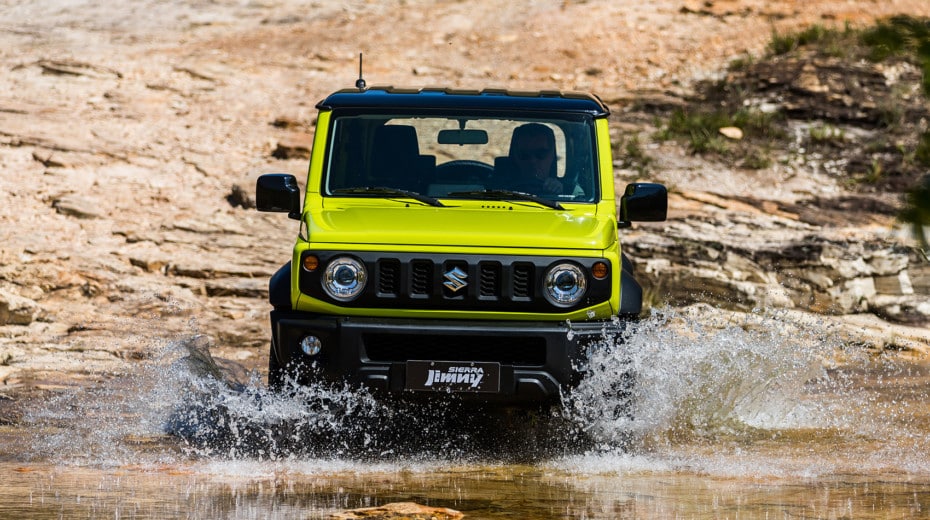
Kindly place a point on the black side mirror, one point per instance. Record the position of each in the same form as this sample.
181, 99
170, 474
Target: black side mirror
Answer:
644, 202
278, 192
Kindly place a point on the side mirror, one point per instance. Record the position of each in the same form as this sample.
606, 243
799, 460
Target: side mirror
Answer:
644, 202
278, 192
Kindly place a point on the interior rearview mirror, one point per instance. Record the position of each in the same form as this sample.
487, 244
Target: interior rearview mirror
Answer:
461, 137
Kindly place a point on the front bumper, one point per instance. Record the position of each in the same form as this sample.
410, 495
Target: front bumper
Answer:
538, 360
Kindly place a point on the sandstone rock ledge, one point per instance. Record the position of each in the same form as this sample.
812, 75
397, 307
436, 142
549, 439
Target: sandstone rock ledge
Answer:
400, 510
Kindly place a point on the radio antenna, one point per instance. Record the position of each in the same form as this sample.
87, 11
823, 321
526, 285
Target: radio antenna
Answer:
360, 82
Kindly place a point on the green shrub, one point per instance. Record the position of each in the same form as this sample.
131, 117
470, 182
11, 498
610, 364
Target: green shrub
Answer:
634, 156
827, 134
922, 153
785, 43
901, 36
917, 212
702, 128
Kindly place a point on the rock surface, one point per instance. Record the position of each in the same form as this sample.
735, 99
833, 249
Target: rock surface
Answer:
400, 510
131, 136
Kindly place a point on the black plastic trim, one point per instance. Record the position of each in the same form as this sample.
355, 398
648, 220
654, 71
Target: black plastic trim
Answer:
498, 100
345, 358
421, 276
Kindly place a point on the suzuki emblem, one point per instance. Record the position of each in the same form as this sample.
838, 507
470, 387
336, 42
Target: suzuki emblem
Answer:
455, 279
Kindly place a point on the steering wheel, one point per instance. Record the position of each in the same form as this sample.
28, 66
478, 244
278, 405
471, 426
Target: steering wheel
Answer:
535, 186
464, 172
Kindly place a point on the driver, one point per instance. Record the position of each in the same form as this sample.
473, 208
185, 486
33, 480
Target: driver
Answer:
532, 150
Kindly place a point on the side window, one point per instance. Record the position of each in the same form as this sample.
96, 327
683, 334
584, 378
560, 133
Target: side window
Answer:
345, 168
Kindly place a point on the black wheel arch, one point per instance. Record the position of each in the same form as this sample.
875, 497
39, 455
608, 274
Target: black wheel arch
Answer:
631, 292
279, 288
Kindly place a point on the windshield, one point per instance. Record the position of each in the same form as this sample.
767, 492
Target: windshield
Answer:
463, 157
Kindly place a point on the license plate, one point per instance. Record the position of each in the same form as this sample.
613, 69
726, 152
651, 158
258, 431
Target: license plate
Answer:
453, 376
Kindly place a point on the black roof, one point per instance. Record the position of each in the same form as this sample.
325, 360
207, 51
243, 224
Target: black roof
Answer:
490, 99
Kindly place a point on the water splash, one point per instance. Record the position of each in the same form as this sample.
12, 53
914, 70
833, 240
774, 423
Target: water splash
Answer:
678, 390
691, 377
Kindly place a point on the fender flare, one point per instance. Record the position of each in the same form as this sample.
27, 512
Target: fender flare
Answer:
279, 288
631, 292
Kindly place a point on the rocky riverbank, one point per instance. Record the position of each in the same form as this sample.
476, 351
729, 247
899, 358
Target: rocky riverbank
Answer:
131, 136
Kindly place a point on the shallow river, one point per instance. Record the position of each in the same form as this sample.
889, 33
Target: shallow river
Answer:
760, 419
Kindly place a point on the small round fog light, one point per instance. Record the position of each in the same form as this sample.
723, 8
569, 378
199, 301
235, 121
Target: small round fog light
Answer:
311, 345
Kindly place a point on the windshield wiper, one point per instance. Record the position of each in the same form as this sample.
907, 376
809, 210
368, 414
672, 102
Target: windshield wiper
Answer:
507, 195
390, 192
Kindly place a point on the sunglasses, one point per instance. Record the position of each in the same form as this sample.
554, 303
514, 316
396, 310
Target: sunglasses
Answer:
538, 154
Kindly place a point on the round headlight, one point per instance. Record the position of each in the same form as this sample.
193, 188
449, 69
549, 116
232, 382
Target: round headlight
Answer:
564, 285
344, 278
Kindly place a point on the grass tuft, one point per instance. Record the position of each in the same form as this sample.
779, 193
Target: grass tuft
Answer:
702, 128
827, 134
785, 43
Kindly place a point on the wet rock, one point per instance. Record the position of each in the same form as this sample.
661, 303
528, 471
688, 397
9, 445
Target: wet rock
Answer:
746, 262
202, 364
400, 510
913, 309
17, 310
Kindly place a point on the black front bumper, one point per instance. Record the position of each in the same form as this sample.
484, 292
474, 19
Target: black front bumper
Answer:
538, 360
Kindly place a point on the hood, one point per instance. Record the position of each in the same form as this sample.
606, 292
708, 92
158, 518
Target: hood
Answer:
496, 224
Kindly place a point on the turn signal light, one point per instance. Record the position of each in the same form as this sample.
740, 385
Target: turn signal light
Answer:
311, 263
599, 270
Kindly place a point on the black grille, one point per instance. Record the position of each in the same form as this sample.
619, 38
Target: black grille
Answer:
421, 274
438, 347
472, 283
389, 277
490, 279
522, 280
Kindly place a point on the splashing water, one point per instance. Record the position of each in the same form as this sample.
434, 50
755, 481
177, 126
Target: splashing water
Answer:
673, 391
758, 394
694, 379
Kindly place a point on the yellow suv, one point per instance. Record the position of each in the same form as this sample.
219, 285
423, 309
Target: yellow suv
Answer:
450, 241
